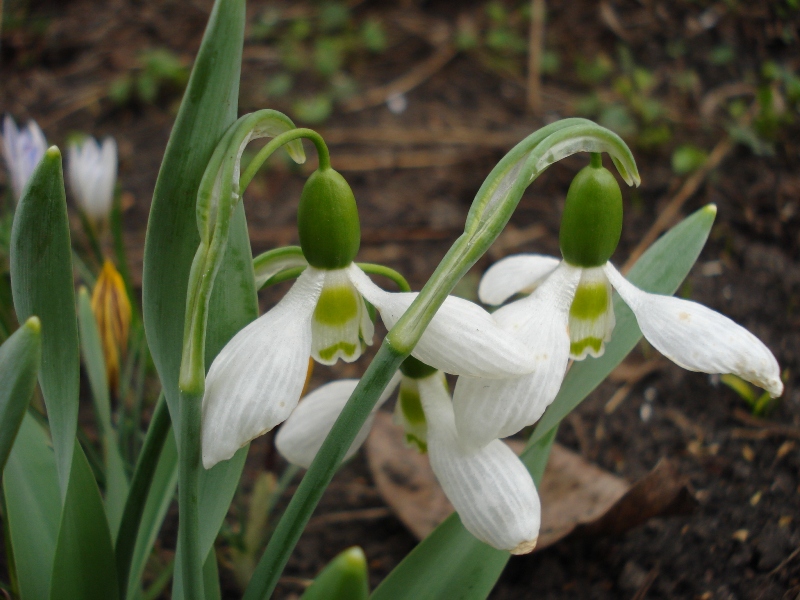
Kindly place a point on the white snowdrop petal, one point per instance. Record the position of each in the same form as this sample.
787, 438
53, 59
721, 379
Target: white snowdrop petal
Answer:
256, 380
289, 261
462, 338
489, 487
488, 409
591, 315
301, 436
513, 275
698, 338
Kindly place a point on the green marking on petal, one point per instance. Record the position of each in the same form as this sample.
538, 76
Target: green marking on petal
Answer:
411, 406
419, 444
593, 344
329, 352
336, 306
591, 302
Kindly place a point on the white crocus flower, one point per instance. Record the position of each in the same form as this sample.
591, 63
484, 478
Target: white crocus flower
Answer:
256, 380
23, 149
570, 315
489, 486
92, 175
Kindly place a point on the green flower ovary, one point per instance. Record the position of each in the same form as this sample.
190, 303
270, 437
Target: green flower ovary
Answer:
327, 221
592, 220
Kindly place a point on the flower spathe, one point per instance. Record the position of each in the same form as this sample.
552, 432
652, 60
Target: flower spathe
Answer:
570, 315
23, 148
92, 169
256, 380
489, 487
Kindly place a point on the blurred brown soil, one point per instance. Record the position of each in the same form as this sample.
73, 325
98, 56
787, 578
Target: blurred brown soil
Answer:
414, 175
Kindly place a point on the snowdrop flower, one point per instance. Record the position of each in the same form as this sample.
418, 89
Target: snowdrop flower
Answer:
92, 175
570, 315
256, 380
22, 149
489, 486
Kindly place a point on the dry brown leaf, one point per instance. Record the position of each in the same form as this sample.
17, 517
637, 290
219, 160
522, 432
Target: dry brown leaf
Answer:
576, 495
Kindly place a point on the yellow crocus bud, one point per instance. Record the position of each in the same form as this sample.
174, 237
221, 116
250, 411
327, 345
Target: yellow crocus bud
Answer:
112, 310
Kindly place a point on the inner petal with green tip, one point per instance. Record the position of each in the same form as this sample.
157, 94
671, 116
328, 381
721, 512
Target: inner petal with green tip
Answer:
409, 414
341, 326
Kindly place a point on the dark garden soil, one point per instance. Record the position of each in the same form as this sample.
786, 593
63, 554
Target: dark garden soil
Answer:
414, 175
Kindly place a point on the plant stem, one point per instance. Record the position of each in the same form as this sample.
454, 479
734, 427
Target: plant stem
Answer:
277, 142
321, 471
139, 490
188, 494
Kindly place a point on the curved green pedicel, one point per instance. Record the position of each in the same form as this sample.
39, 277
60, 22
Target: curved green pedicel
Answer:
592, 220
327, 221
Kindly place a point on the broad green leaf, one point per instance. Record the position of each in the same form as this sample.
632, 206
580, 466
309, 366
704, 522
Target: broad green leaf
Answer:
161, 495
450, 562
33, 505
84, 565
211, 585
208, 109
41, 283
116, 479
19, 362
345, 578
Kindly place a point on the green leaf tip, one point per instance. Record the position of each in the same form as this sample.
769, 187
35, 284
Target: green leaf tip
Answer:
354, 558
34, 324
53, 153
711, 209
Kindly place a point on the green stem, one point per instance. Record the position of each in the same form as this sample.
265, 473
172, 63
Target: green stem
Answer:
396, 277
189, 455
139, 490
321, 471
277, 142
283, 276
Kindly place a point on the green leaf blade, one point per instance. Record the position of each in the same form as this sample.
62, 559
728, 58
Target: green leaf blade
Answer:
83, 566
19, 363
345, 578
41, 284
33, 504
116, 479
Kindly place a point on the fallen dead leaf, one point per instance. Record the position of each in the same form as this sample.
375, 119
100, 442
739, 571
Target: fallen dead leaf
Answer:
576, 495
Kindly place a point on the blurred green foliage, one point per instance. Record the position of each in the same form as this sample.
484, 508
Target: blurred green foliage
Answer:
314, 50
157, 69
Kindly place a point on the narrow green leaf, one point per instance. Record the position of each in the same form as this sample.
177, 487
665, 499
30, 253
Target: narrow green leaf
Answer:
161, 495
41, 283
19, 362
116, 479
33, 502
345, 578
211, 577
450, 562
208, 109
84, 565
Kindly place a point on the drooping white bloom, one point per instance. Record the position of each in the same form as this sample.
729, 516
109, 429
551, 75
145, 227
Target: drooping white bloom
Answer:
489, 486
23, 149
570, 315
256, 380
92, 175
